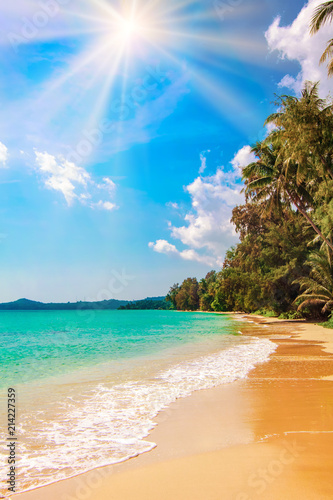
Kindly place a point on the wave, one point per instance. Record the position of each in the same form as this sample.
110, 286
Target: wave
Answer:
110, 423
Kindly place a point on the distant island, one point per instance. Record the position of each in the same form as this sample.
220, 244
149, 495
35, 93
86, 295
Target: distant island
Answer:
112, 304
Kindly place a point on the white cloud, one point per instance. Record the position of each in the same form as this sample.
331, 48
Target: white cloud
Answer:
106, 205
270, 127
295, 43
108, 184
72, 181
3, 154
173, 205
61, 174
203, 159
208, 224
207, 230
163, 246
243, 158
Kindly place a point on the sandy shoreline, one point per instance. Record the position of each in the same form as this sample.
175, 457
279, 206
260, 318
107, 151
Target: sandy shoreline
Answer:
268, 436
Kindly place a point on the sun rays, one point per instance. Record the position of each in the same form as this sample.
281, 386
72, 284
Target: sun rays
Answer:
116, 40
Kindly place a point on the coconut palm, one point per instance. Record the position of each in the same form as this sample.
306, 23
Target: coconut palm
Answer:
318, 287
322, 15
269, 183
303, 134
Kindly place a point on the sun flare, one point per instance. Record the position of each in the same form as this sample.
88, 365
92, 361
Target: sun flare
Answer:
129, 28
122, 38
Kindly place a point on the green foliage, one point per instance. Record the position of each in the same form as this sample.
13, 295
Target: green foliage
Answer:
291, 315
282, 265
318, 286
328, 324
267, 313
146, 304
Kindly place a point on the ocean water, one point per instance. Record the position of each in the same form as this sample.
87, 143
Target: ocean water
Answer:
90, 383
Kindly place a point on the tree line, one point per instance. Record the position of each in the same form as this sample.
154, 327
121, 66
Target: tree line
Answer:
283, 262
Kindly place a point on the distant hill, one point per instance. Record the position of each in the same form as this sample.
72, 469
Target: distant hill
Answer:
32, 305
148, 303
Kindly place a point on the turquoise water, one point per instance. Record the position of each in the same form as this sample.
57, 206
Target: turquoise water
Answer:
89, 384
39, 344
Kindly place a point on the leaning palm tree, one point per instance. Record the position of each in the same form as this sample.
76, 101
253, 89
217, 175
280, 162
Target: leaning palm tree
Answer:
322, 15
270, 184
318, 286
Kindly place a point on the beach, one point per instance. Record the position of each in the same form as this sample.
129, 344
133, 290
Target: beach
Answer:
269, 435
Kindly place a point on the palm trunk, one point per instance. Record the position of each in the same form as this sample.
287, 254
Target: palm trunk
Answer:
295, 199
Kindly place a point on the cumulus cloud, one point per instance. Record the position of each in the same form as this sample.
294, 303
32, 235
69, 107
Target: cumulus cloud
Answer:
3, 155
72, 181
208, 224
163, 246
207, 231
243, 157
295, 43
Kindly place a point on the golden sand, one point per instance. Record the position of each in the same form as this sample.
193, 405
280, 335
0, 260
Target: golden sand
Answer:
269, 436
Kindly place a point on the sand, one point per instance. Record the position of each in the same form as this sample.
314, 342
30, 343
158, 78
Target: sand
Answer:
269, 436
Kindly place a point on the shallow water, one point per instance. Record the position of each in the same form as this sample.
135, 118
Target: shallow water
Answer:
90, 383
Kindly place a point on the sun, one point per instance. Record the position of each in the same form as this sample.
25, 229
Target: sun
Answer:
119, 41
130, 26
129, 29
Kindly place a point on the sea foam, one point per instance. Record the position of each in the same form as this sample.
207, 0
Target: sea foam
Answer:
110, 423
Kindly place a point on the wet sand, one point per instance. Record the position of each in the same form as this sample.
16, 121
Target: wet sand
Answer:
269, 436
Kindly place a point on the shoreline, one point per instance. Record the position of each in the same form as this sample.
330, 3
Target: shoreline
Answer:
197, 434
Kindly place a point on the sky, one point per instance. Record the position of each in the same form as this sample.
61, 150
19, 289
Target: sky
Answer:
123, 130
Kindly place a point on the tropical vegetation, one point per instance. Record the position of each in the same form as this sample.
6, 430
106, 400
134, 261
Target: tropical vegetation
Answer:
283, 262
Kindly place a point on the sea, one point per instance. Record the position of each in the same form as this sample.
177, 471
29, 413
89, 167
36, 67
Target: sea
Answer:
89, 384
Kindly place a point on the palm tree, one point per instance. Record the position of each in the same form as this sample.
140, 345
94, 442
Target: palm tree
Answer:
318, 287
322, 15
303, 134
269, 183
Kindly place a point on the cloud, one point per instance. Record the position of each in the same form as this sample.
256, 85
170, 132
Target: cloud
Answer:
72, 181
3, 155
207, 231
208, 224
203, 159
61, 175
106, 205
243, 158
173, 205
295, 43
109, 185
163, 246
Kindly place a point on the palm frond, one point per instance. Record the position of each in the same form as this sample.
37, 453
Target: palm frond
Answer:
328, 52
322, 15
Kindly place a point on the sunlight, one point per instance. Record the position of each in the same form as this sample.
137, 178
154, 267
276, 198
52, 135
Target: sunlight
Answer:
117, 40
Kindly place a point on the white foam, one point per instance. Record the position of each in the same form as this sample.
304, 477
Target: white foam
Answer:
111, 423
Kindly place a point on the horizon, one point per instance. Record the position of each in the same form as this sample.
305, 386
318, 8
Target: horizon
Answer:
123, 135
75, 302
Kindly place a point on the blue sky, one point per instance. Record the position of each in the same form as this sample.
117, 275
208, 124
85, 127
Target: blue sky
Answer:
123, 132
